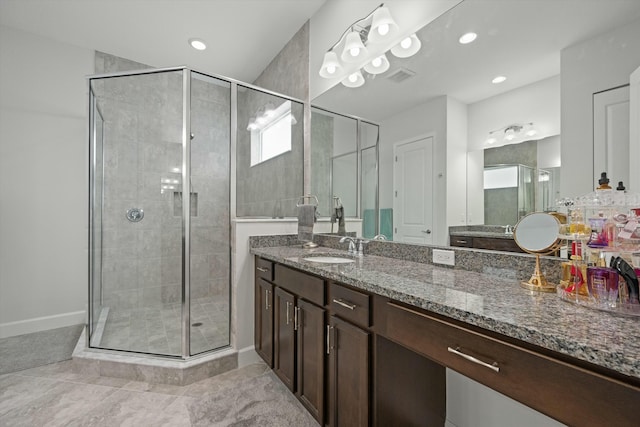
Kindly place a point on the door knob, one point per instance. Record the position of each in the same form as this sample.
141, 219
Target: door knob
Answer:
426, 231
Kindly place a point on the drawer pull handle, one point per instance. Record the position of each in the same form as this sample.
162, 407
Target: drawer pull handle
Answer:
461, 241
345, 304
457, 351
264, 270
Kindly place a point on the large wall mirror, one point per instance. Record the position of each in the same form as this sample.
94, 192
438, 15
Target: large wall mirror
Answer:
555, 56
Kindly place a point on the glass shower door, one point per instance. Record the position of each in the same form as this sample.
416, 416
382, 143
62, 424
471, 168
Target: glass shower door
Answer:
137, 294
210, 249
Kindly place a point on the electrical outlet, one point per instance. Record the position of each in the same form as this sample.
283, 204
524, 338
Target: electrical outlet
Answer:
444, 257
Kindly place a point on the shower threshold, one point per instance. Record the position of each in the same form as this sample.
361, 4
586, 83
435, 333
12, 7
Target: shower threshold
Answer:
146, 368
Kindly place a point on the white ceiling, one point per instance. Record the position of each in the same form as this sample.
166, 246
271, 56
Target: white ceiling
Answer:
243, 36
520, 39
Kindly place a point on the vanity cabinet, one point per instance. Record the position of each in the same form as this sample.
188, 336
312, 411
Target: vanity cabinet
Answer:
560, 389
490, 243
324, 360
294, 303
264, 320
263, 325
284, 337
348, 382
349, 352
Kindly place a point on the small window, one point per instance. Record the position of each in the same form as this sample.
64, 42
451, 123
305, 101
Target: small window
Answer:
271, 133
506, 177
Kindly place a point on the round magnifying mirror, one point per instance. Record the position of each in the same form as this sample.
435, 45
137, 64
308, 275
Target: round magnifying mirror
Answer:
537, 233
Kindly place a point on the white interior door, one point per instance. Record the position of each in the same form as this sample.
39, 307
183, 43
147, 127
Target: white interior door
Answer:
413, 191
611, 135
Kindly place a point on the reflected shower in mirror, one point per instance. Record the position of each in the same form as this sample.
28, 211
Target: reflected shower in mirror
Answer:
344, 164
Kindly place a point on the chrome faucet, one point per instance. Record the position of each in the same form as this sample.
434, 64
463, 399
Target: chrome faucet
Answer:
508, 230
353, 244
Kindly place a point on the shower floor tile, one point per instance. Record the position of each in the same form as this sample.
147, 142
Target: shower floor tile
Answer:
158, 330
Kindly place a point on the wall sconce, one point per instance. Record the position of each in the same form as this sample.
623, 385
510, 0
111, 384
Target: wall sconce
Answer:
517, 132
363, 46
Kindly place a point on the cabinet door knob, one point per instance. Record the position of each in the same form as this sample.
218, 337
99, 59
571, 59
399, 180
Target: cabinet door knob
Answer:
426, 231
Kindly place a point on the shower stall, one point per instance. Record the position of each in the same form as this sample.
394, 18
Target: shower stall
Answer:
160, 258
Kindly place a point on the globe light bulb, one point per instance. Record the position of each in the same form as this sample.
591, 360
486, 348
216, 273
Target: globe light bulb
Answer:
406, 43
383, 29
354, 51
353, 78
377, 62
331, 69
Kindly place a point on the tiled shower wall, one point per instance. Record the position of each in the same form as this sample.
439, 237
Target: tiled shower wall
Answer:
142, 261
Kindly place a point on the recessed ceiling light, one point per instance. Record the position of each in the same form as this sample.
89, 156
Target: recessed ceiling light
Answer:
467, 38
197, 44
498, 79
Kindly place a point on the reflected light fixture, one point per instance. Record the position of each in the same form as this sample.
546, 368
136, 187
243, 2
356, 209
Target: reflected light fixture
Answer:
517, 132
382, 25
409, 46
197, 44
378, 65
363, 46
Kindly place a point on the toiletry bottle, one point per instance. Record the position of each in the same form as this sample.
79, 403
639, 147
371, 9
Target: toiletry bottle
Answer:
604, 182
602, 282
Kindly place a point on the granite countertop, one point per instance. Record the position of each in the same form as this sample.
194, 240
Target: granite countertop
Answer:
496, 304
491, 234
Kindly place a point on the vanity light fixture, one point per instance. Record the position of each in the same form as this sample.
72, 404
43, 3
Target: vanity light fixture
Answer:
517, 132
363, 46
197, 44
467, 38
498, 79
354, 79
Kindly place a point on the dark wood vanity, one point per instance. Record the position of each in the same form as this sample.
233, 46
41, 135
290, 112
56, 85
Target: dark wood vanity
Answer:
355, 358
484, 242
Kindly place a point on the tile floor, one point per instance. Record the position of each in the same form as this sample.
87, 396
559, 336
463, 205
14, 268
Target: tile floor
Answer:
53, 395
157, 330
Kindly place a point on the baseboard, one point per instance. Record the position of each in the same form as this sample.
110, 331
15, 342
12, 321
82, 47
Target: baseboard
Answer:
248, 356
38, 324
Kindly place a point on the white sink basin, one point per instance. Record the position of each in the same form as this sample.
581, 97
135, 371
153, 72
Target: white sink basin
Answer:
329, 259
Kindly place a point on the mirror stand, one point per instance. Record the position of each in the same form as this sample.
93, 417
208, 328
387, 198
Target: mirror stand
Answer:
538, 282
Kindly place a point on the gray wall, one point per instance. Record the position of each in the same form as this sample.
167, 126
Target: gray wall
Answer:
271, 188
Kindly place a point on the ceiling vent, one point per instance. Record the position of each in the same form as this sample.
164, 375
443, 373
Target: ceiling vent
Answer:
401, 74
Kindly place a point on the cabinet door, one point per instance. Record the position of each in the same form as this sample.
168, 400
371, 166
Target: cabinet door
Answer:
348, 374
264, 320
310, 358
284, 337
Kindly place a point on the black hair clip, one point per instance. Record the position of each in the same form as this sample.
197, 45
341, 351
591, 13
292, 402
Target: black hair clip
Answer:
628, 273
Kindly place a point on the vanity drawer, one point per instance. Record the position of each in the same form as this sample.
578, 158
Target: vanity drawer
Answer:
554, 387
349, 304
303, 285
461, 241
264, 269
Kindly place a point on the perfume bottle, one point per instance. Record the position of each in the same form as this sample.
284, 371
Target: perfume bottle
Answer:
602, 283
